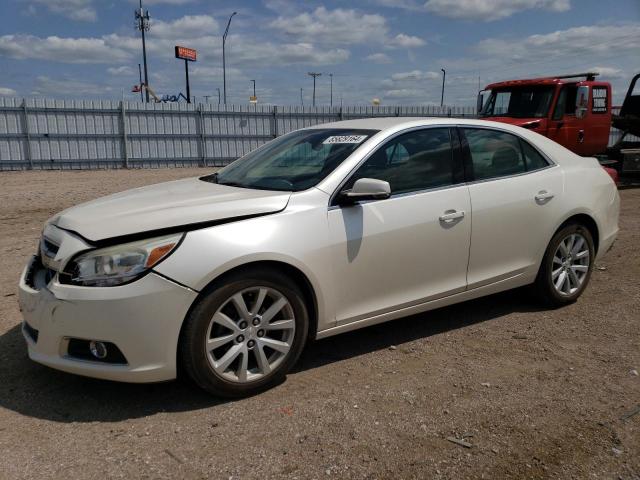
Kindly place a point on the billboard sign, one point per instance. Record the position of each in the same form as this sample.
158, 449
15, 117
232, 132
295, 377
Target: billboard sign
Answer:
185, 53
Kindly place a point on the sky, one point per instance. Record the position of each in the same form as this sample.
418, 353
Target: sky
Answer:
391, 50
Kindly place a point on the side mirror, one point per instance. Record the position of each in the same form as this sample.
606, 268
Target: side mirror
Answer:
365, 189
582, 101
479, 102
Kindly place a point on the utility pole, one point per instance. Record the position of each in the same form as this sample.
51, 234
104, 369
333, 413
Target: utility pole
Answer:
331, 97
444, 75
314, 75
224, 64
140, 77
142, 24
206, 98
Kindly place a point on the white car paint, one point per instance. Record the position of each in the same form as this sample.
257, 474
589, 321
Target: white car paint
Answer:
367, 264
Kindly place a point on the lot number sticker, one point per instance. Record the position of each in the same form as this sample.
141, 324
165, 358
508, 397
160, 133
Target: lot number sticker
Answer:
345, 139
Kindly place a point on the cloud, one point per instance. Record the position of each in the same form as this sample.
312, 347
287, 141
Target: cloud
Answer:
7, 92
332, 26
189, 26
414, 75
586, 40
608, 72
120, 71
406, 41
342, 27
81, 10
379, 58
167, 2
47, 86
489, 10
66, 50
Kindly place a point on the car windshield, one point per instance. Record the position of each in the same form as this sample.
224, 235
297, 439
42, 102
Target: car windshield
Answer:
519, 102
293, 162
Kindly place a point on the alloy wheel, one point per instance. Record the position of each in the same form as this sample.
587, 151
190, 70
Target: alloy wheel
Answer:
250, 335
570, 264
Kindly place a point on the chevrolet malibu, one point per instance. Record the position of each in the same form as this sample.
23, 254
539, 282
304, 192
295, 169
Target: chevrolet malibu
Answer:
321, 231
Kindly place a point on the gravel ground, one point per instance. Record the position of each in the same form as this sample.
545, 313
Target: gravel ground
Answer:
536, 393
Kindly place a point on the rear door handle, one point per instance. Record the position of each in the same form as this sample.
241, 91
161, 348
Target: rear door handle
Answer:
543, 196
451, 216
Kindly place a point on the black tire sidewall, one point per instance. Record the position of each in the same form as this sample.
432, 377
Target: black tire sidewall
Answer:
544, 281
194, 356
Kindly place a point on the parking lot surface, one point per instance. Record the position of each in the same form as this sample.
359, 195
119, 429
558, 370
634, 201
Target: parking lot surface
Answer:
526, 392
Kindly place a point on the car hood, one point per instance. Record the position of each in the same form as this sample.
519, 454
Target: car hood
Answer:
166, 205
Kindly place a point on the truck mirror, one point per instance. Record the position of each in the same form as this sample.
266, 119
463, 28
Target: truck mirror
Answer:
480, 100
582, 101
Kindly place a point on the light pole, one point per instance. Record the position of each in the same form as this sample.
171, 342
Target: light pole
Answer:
314, 75
254, 87
444, 75
301, 100
142, 24
331, 97
224, 66
218, 88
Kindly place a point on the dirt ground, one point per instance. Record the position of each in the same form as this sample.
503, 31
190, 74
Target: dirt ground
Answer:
536, 393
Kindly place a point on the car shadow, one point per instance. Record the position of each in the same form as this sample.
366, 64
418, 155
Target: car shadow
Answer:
37, 391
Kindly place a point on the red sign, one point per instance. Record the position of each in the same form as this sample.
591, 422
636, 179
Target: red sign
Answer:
185, 53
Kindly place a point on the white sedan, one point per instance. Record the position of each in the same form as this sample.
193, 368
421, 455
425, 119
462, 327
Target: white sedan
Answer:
323, 230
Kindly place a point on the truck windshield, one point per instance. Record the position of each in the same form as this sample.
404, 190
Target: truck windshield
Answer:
519, 102
296, 161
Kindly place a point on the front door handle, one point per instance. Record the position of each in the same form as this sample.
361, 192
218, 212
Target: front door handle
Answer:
451, 216
543, 196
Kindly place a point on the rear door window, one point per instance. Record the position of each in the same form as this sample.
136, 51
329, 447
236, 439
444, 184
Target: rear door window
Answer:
494, 154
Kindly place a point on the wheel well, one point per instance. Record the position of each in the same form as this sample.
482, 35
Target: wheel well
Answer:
294, 273
589, 223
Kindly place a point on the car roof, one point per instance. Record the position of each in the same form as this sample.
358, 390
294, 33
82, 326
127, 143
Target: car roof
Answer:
398, 123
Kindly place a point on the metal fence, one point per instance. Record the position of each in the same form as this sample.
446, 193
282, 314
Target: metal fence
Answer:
90, 134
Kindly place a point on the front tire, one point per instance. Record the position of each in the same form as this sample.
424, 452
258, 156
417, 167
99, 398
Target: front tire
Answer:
245, 334
566, 267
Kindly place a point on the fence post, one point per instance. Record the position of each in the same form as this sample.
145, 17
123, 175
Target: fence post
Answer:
274, 124
27, 133
200, 130
123, 125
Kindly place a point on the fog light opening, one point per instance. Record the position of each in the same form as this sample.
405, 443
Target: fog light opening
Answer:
98, 350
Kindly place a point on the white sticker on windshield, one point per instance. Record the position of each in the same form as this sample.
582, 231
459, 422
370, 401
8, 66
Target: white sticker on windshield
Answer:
345, 139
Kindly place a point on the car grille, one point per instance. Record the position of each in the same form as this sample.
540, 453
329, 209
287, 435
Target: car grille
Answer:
34, 272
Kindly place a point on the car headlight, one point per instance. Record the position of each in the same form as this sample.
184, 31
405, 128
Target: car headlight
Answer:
117, 265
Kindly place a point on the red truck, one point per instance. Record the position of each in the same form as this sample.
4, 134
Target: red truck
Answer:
573, 110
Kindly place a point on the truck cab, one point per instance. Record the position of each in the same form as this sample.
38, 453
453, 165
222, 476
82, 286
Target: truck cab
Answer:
573, 110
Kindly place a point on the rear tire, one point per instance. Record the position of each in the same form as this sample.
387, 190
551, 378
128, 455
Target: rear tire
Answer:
566, 267
230, 350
